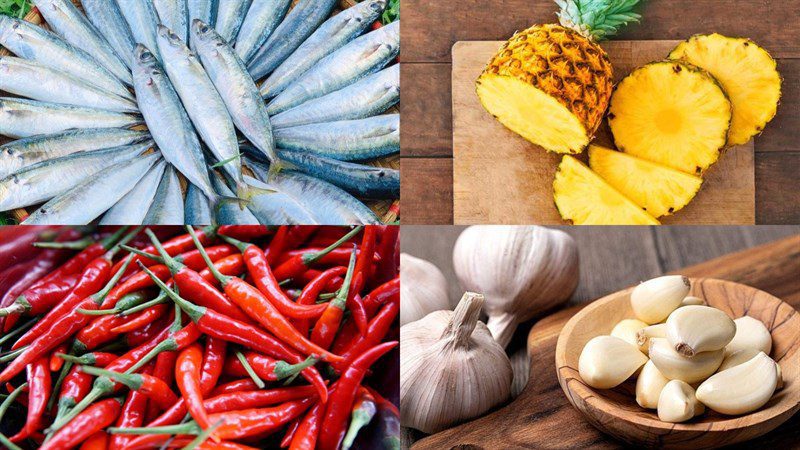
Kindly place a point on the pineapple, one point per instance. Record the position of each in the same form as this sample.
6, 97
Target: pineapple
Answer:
551, 83
583, 197
671, 113
746, 72
658, 189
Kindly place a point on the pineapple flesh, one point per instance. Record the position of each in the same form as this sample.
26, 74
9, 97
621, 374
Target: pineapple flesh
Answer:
746, 72
672, 113
658, 189
583, 198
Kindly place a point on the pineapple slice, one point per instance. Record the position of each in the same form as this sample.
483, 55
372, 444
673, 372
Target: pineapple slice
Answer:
746, 72
583, 197
672, 113
658, 189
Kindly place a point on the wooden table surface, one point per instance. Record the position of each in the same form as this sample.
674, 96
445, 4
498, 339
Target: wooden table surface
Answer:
611, 258
430, 28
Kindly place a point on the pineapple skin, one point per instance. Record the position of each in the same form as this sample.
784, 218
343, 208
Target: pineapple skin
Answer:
564, 65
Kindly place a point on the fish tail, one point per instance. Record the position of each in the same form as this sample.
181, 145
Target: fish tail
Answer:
245, 192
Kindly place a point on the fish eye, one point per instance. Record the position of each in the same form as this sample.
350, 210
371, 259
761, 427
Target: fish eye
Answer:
174, 36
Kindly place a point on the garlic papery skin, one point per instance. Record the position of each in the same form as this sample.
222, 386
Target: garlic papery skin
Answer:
675, 366
693, 329
607, 361
521, 270
451, 369
423, 289
692, 300
678, 403
649, 385
741, 389
627, 329
750, 333
738, 357
644, 335
654, 300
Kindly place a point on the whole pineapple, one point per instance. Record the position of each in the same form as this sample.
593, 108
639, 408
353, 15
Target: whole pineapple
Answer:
551, 84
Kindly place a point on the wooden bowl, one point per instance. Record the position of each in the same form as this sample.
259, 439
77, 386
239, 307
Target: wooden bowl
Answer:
616, 412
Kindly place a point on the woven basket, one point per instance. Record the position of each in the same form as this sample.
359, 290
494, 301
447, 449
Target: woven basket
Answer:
387, 210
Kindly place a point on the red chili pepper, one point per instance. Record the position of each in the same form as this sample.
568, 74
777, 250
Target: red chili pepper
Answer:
85, 424
164, 370
363, 273
138, 337
39, 383
135, 282
245, 384
277, 245
77, 383
312, 291
389, 291
244, 231
97, 441
290, 432
378, 328
325, 330
40, 299
389, 249
308, 431
155, 389
213, 361
187, 374
175, 246
141, 319
338, 409
55, 363
132, 415
296, 265
257, 421
265, 367
336, 257
19, 248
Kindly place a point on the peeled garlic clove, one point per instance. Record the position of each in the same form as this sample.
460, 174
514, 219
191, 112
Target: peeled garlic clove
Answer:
626, 330
675, 366
678, 403
423, 289
692, 300
693, 329
644, 335
741, 389
649, 385
654, 300
750, 333
607, 361
738, 357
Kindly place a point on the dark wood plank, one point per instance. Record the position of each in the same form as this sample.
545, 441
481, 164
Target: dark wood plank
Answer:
781, 133
425, 108
427, 190
777, 191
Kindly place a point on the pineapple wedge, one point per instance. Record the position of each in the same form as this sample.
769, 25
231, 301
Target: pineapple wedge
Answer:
658, 189
583, 198
746, 72
671, 113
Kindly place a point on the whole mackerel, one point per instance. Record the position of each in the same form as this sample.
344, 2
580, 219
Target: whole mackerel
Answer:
196, 210
32, 80
36, 44
330, 36
142, 19
347, 140
261, 20
204, 10
93, 197
230, 15
167, 205
168, 122
174, 14
47, 179
108, 19
133, 207
231, 213
67, 21
24, 152
237, 89
24, 118
356, 60
277, 207
301, 21
368, 97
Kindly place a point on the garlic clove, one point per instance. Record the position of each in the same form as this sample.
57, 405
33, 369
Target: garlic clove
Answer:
694, 329
627, 329
649, 385
423, 289
607, 361
738, 357
644, 335
741, 389
678, 403
654, 300
692, 300
750, 333
675, 366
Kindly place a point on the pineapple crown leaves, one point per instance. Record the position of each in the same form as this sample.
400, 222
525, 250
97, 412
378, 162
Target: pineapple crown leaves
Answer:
596, 19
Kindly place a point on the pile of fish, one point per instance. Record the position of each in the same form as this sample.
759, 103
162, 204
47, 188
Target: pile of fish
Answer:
295, 94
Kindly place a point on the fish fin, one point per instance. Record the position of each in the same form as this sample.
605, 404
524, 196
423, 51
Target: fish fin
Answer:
245, 192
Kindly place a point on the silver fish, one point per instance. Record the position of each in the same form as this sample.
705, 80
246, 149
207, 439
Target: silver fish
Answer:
168, 122
368, 97
36, 44
329, 37
230, 15
174, 14
167, 206
35, 81
347, 140
142, 18
204, 10
109, 21
196, 210
231, 213
24, 118
301, 21
278, 208
47, 179
358, 59
93, 197
24, 152
236, 88
133, 207
261, 20
68, 22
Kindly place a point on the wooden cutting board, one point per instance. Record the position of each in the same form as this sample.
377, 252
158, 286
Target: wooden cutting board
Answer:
542, 417
499, 177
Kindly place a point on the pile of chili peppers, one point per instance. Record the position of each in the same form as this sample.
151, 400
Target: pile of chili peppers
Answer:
229, 337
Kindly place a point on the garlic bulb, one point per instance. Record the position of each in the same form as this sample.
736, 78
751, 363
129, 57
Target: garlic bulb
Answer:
423, 289
522, 271
451, 369
607, 361
649, 385
750, 333
678, 403
675, 366
654, 300
694, 329
741, 389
